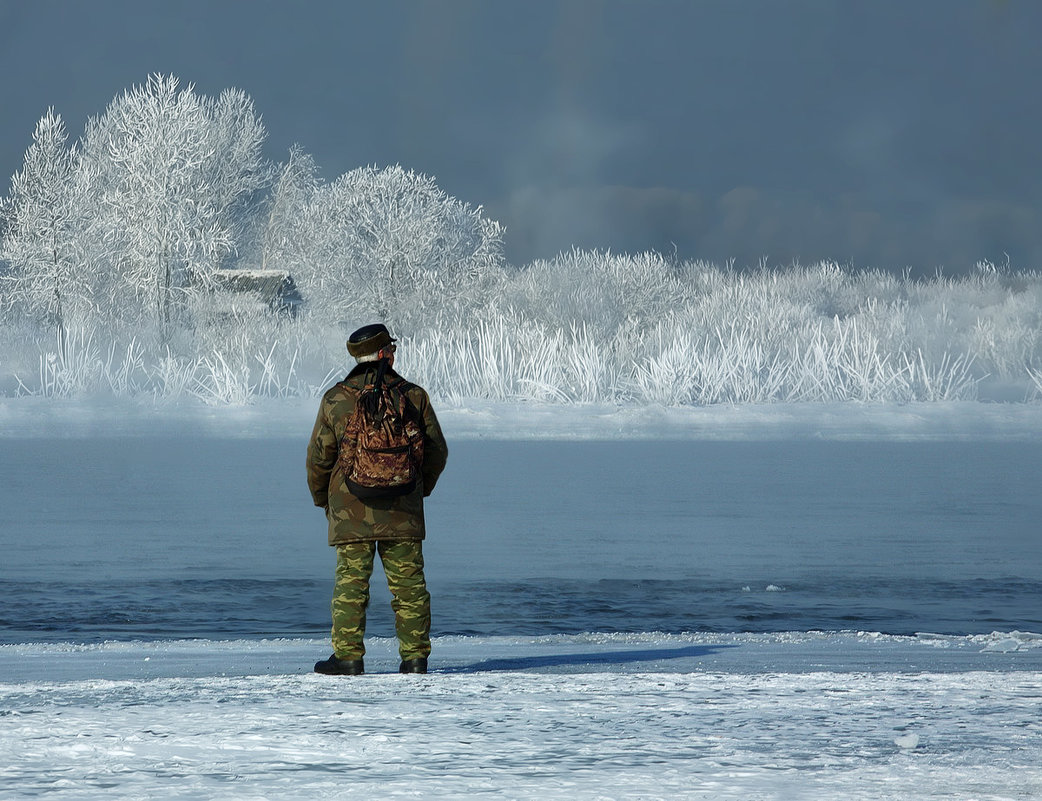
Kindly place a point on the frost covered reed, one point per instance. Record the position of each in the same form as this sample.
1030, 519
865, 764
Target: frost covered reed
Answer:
599, 327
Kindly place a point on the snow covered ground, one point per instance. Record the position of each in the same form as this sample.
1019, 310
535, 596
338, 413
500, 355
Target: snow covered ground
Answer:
166, 586
802, 716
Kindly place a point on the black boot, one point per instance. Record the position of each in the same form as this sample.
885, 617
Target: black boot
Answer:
418, 665
340, 667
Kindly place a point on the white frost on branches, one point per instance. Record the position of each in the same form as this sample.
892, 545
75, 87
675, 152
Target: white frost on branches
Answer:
38, 220
389, 244
174, 174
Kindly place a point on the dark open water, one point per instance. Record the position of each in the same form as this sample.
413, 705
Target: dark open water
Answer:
136, 538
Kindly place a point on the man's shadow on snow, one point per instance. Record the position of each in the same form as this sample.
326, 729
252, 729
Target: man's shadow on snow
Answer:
601, 658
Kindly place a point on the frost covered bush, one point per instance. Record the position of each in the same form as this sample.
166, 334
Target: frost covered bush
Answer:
598, 290
816, 333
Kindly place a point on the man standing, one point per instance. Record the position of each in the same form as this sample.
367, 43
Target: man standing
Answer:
361, 527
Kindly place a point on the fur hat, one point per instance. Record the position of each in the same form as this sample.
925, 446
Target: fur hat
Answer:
368, 340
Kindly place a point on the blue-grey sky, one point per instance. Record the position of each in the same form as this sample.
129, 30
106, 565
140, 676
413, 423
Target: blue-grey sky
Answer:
885, 133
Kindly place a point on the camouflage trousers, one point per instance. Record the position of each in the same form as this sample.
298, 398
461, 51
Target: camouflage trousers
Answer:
403, 565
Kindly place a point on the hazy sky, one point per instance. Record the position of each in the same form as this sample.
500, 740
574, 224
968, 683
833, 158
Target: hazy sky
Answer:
884, 133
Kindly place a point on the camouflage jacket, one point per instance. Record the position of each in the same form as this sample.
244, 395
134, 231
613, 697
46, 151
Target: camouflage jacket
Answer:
351, 519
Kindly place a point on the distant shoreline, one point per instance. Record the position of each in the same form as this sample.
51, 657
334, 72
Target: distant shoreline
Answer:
31, 417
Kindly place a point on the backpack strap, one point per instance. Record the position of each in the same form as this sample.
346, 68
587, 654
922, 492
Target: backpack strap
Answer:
372, 400
402, 387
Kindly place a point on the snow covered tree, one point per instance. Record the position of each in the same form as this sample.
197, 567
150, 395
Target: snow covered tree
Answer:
38, 219
389, 243
238, 173
281, 239
175, 174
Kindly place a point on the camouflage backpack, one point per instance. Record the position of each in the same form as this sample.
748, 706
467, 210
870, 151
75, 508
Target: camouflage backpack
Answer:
381, 451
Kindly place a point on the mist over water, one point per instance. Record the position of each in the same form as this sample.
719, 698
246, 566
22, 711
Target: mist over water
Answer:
215, 538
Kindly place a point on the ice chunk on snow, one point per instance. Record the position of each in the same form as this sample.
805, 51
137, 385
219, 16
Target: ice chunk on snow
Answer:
1011, 641
1003, 644
1007, 641
996, 642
